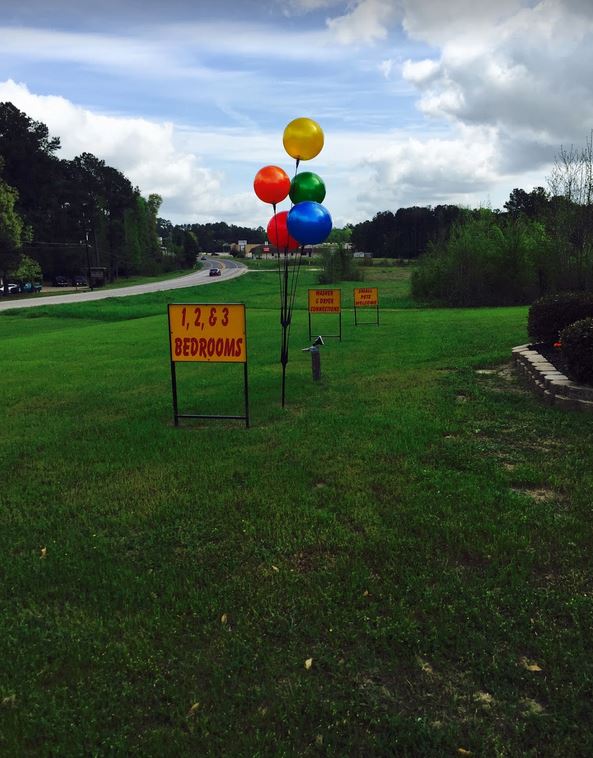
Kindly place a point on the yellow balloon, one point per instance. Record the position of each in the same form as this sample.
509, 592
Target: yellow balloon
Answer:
303, 139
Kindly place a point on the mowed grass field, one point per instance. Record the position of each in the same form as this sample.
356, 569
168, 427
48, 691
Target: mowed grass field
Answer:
397, 563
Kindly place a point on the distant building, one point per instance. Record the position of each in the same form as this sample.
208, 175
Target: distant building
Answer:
271, 251
243, 248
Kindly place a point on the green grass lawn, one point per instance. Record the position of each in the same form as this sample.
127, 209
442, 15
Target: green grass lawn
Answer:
420, 530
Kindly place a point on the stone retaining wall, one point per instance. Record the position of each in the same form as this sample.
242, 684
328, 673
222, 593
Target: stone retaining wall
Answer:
552, 385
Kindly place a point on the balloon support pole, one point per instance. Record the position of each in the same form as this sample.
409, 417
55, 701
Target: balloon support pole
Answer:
287, 296
285, 308
283, 384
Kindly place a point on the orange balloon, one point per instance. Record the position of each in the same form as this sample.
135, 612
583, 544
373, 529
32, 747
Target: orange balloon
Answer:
303, 139
271, 184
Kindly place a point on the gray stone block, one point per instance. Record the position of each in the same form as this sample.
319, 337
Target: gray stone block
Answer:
550, 384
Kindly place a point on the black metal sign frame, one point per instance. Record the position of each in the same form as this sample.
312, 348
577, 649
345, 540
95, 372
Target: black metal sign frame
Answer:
176, 414
366, 323
339, 336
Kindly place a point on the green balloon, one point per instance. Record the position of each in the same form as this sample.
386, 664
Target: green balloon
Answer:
307, 186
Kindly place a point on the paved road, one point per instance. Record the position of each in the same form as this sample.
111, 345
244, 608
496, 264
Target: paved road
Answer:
230, 270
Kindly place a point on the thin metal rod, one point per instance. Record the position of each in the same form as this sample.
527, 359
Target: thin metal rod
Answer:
285, 317
277, 246
246, 395
283, 384
287, 298
293, 285
174, 388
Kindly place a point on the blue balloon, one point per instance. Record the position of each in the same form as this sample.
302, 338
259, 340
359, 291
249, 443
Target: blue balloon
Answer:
309, 223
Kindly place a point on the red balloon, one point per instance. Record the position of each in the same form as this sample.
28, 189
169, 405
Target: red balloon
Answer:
278, 233
271, 184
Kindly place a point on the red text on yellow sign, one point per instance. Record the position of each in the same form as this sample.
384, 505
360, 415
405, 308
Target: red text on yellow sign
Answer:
364, 296
325, 301
212, 333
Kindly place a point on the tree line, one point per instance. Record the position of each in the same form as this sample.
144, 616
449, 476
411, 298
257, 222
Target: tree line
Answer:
185, 241
71, 214
540, 244
405, 233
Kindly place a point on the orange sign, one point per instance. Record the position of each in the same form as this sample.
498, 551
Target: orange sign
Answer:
364, 296
210, 333
325, 301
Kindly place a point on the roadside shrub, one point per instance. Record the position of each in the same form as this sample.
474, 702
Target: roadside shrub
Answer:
28, 270
577, 349
338, 265
429, 278
485, 261
549, 315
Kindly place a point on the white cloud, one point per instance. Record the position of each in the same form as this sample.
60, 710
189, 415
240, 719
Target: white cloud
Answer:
169, 50
367, 22
528, 70
430, 170
385, 67
306, 6
521, 69
438, 23
147, 152
420, 73
498, 87
363, 173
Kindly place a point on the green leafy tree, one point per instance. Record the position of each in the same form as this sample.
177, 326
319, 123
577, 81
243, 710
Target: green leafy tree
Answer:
79, 205
406, 233
571, 214
191, 248
100, 196
28, 270
11, 231
30, 165
153, 205
487, 260
340, 235
338, 265
533, 204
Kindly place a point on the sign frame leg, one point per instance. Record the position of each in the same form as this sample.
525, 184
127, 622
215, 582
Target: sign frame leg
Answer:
174, 390
246, 389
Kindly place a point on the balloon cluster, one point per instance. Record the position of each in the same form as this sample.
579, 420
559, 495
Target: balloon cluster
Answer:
307, 222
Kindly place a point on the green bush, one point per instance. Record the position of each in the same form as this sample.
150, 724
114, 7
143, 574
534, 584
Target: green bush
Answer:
577, 349
338, 265
549, 315
487, 260
28, 270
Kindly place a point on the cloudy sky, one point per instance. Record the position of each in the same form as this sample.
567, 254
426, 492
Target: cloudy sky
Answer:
422, 101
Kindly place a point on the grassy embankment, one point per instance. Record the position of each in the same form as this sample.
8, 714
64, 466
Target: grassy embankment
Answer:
419, 530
